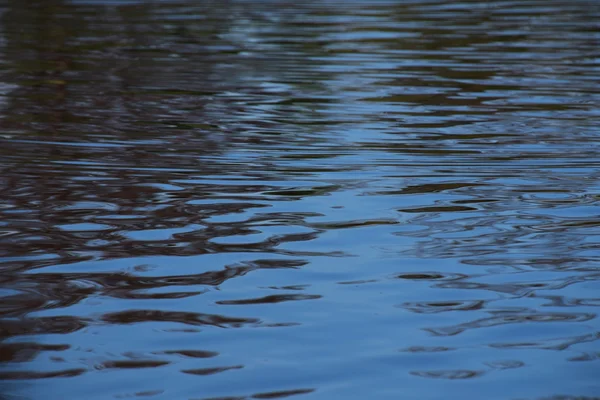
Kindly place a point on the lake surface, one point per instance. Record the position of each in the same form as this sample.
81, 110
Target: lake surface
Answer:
312, 199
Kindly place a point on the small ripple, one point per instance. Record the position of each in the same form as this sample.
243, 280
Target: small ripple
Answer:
505, 364
449, 374
426, 349
353, 224
511, 318
145, 393
589, 356
550, 344
429, 188
358, 282
437, 307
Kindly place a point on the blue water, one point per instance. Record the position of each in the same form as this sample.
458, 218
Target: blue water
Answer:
313, 199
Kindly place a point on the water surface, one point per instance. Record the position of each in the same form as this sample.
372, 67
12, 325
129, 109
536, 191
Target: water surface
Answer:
311, 199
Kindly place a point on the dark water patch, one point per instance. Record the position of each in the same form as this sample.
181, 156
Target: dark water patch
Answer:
36, 326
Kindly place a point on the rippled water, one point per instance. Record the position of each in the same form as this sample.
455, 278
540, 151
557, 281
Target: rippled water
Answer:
318, 199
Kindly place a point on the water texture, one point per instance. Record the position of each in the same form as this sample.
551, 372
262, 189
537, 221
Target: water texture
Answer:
311, 199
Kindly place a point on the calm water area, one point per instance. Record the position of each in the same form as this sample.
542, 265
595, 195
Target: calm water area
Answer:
310, 199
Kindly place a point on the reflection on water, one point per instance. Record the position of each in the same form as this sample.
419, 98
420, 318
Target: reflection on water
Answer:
318, 199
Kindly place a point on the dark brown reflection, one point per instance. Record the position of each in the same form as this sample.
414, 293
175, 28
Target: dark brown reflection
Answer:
188, 318
431, 276
438, 209
277, 298
430, 188
133, 364
449, 374
210, 371
281, 394
26, 375
193, 353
